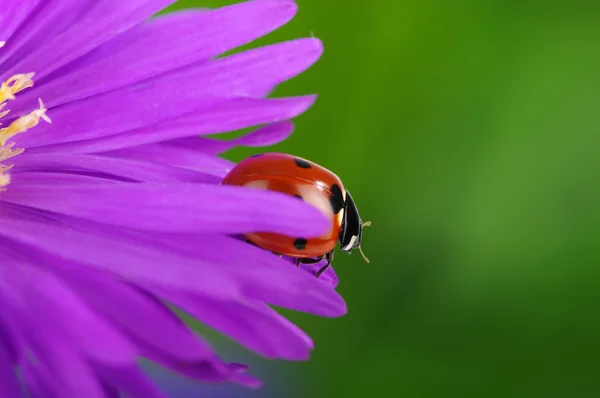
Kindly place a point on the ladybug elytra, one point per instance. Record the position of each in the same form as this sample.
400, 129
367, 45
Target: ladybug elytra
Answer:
315, 185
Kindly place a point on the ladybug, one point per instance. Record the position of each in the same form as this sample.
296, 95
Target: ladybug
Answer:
315, 185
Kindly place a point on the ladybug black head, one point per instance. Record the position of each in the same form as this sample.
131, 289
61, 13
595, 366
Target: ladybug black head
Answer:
352, 226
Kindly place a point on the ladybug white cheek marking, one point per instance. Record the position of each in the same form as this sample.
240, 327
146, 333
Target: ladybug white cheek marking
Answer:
257, 184
351, 243
314, 196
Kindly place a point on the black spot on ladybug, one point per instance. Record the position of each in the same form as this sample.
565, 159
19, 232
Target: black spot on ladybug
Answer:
302, 163
300, 243
336, 199
298, 196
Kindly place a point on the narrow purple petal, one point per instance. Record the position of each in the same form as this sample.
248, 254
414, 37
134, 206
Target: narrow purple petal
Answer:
248, 381
214, 265
131, 381
199, 153
102, 20
141, 317
328, 277
252, 324
156, 47
58, 178
42, 23
9, 385
264, 276
264, 136
191, 89
203, 371
110, 391
311, 301
206, 208
108, 251
14, 12
59, 370
7, 342
177, 157
35, 378
224, 117
47, 303
110, 168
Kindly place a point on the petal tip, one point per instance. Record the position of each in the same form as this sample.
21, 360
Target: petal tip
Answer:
304, 103
289, 6
313, 48
248, 381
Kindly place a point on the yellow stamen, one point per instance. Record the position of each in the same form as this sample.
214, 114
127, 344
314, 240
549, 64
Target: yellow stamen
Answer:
2, 114
24, 123
8, 89
4, 180
7, 152
15, 84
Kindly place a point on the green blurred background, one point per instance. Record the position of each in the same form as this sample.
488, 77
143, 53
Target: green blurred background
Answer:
468, 133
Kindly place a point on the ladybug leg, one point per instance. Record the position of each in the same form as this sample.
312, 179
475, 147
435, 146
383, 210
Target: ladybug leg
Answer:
329, 258
309, 260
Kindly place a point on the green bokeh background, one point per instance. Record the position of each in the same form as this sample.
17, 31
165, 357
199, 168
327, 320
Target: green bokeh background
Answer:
468, 133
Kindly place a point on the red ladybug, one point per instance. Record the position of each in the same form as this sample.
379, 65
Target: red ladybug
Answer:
315, 185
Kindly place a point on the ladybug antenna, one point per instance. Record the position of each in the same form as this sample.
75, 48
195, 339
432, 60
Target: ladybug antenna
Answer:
365, 224
363, 255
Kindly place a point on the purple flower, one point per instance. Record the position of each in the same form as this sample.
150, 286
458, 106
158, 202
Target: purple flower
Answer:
112, 213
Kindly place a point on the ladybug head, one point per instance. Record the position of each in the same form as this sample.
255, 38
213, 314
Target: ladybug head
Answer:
352, 226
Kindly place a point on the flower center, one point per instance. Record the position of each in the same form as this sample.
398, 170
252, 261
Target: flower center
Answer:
8, 89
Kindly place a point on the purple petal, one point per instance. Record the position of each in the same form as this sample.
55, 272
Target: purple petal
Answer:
109, 168
41, 24
328, 277
36, 178
131, 381
9, 387
205, 208
205, 372
191, 89
311, 301
14, 12
7, 343
198, 153
102, 20
58, 370
141, 317
35, 386
206, 264
156, 47
248, 381
190, 159
272, 277
145, 264
57, 310
250, 323
227, 116
264, 136
37, 380
110, 391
